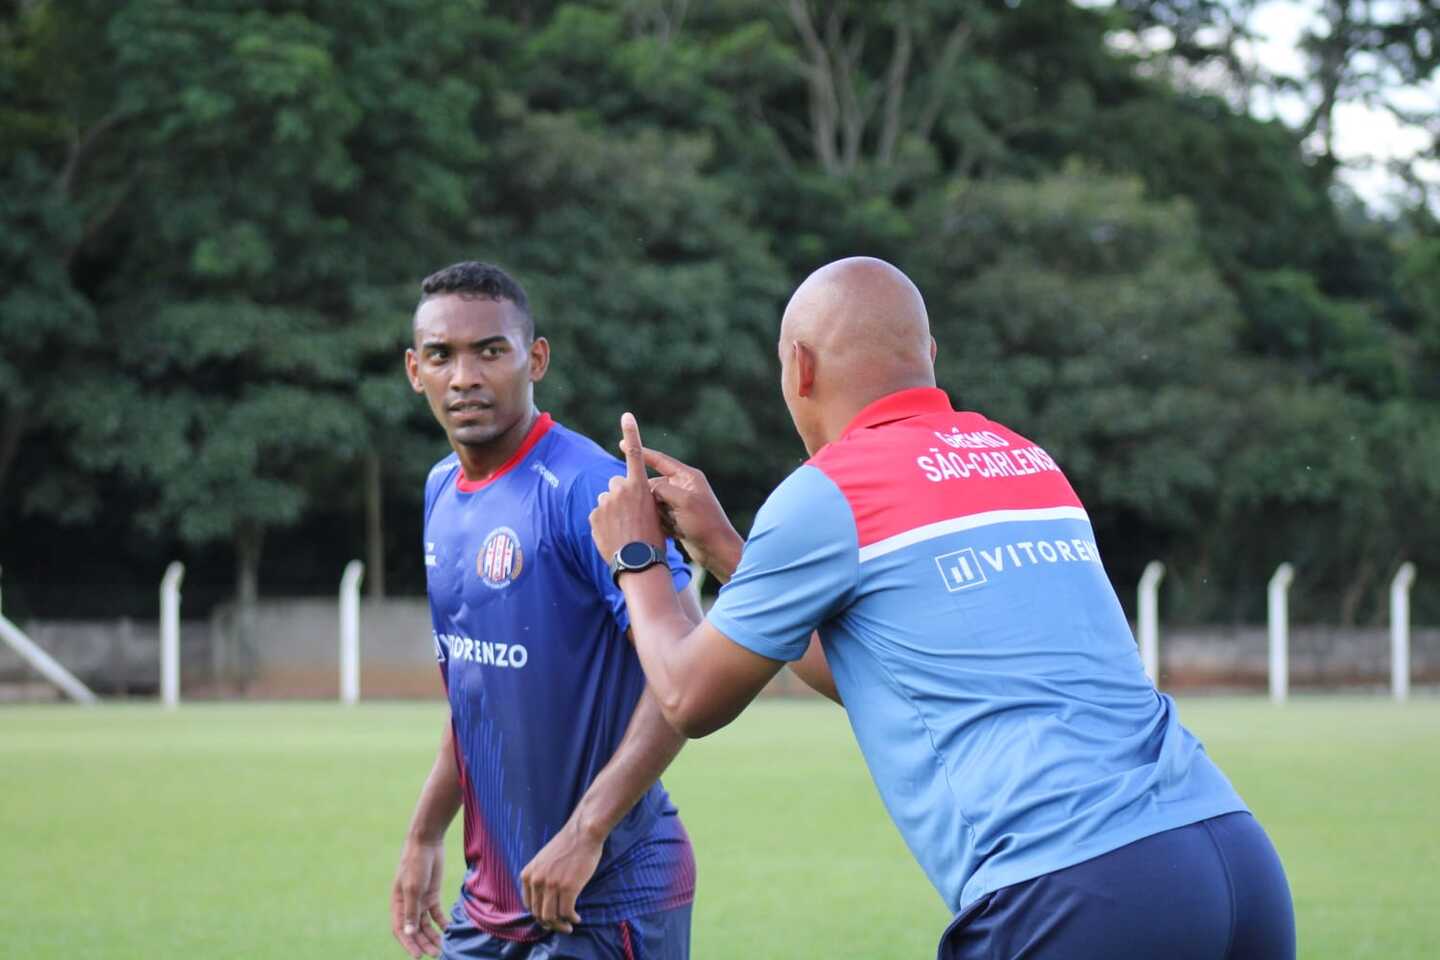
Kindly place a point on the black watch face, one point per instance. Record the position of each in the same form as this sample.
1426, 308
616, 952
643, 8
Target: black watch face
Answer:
635, 554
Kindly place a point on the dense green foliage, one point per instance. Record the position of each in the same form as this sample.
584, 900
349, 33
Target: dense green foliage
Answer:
256, 832
213, 217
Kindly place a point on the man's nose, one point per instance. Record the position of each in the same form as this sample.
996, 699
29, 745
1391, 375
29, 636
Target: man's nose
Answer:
468, 372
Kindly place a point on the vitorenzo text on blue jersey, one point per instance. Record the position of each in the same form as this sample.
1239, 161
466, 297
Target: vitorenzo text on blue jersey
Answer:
449, 646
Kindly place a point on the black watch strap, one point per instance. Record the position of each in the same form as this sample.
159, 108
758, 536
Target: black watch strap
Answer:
634, 556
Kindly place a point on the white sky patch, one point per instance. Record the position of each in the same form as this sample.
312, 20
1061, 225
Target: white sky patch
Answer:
1368, 138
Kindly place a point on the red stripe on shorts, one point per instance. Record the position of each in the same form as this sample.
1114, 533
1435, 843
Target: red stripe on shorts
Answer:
625, 942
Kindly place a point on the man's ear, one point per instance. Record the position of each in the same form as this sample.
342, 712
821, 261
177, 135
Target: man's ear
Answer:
805, 363
934, 349
412, 370
539, 359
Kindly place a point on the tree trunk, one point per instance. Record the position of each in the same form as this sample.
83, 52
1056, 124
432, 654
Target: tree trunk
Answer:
249, 540
895, 94
1330, 64
374, 528
12, 427
824, 105
1354, 593
845, 54
941, 78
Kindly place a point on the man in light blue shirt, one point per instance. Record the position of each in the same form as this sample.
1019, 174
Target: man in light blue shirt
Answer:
935, 571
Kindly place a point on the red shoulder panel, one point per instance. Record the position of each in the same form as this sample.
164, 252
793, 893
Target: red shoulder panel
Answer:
906, 473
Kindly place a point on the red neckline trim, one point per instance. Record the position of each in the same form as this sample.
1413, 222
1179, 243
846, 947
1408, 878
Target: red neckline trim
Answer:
538, 429
900, 405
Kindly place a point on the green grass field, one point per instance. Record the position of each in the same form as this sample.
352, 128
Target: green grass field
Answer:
261, 830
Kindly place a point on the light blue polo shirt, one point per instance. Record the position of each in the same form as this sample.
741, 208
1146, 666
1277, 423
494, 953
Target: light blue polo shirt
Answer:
986, 665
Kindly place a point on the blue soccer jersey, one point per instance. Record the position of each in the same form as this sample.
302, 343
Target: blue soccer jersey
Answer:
542, 680
988, 671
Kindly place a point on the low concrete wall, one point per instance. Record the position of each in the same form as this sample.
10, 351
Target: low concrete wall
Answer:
298, 650
1320, 656
295, 654
112, 657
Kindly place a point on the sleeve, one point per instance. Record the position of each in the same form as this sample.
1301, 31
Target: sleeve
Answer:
580, 500
799, 568
435, 481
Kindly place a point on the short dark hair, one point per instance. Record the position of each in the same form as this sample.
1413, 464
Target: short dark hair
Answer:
479, 281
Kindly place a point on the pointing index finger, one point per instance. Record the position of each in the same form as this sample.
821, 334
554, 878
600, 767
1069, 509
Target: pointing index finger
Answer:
634, 452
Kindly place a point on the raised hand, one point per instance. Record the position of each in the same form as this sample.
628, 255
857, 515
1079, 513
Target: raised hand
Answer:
690, 512
627, 511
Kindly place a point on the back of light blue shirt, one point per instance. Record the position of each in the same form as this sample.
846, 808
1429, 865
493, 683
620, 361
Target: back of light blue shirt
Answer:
986, 666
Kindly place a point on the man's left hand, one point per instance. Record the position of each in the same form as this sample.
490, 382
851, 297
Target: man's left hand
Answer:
627, 511
551, 883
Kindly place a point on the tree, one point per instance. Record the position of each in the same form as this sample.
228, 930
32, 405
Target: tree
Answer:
58, 189
41, 314
216, 215
1379, 55
257, 262
1088, 319
655, 293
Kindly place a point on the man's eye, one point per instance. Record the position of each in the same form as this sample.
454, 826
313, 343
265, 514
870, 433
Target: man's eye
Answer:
492, 353
439, 355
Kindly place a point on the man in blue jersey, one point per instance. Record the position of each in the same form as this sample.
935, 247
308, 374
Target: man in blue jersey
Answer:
1047, 789
553, 748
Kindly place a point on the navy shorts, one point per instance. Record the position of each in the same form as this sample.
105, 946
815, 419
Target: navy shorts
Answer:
1214, 890
657, 936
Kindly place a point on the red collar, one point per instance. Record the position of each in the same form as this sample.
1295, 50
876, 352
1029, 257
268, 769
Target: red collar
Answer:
537, 430
900, 405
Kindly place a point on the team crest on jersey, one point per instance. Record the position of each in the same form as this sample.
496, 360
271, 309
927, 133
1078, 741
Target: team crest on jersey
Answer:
500, 559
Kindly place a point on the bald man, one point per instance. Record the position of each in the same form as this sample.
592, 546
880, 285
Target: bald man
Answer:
1047, 789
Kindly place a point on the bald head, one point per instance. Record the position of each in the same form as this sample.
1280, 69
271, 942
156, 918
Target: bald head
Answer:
863, 312
854, 331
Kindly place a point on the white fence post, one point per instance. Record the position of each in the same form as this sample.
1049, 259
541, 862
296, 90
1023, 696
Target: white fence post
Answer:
697, 577
1149, 616
1400, 631
170, 634
44, 663
1279, 616
350, 631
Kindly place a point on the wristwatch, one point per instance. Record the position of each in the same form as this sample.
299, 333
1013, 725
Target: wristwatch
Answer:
635, 555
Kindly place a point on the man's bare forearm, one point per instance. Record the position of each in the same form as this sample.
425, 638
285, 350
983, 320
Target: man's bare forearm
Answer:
440, 796
720, 555
649, 744
660, 626
700, 678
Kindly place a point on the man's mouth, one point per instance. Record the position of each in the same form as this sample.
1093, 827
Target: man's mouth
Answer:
464, 408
